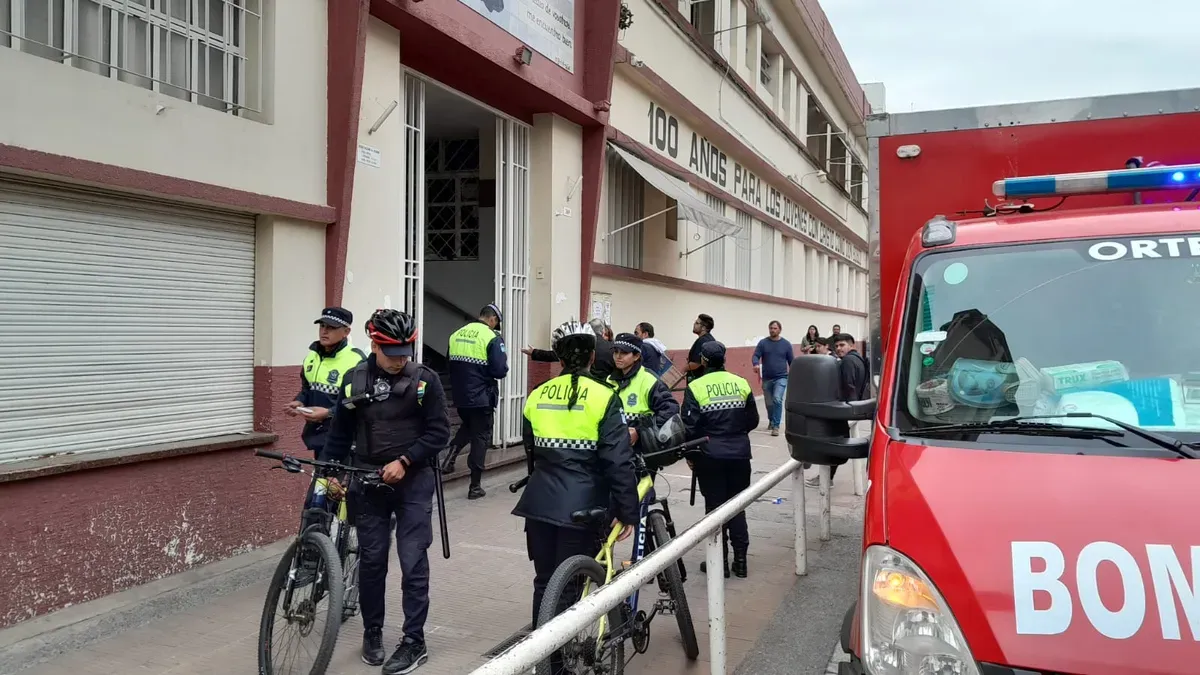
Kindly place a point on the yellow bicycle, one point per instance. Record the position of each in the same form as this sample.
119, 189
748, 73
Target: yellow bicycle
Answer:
603, 652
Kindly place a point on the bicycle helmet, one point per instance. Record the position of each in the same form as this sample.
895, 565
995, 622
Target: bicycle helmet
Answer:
656, 439
573, 343
394, 331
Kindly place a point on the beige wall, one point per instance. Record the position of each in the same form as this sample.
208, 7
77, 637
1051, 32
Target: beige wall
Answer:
655, 40
555, 205
738, 321
289, 288
376, 248
63, 110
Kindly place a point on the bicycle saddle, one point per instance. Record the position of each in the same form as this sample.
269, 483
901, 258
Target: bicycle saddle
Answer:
592, 515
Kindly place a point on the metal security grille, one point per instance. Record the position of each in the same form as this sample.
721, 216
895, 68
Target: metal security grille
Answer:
766, 271
122, 323
714, 249
452, 199
414, 201
204, 51
743, 257
625, 205
512, 271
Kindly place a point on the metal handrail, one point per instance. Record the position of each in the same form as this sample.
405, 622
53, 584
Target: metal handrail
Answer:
541, 643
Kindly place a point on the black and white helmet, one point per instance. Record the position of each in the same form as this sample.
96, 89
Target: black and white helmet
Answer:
573, 343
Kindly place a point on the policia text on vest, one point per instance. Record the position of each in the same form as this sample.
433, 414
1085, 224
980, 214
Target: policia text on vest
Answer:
477, 360
580, 458
387, 418
721, 405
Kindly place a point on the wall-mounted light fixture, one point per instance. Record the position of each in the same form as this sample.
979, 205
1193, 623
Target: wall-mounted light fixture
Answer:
524, 55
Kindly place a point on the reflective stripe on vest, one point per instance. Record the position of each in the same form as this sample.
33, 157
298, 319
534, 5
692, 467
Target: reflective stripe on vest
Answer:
635, 397
721, 390
470, 343
326, 373
554, 426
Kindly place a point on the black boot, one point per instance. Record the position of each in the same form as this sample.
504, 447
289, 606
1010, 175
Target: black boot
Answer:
475, 491
739, 564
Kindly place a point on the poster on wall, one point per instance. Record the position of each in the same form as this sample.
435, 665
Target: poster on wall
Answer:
545, 26
602, 307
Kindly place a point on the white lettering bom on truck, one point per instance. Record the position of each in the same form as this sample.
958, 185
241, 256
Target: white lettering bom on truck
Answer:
1168, 578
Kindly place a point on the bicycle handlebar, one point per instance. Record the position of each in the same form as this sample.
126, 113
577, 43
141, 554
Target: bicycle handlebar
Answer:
321, 464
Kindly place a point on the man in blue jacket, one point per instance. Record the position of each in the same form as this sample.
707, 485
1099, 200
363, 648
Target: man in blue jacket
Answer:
478, 359
772, 359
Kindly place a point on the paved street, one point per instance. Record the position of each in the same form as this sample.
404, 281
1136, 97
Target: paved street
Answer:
480, 596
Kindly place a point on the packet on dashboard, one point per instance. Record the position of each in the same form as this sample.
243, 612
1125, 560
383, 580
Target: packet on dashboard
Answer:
1077, 376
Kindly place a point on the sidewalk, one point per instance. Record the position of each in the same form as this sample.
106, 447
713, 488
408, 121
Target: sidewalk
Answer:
481, 595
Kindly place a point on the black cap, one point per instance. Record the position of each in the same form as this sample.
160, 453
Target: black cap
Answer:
627, 342
396, 351
713, 352
336, 317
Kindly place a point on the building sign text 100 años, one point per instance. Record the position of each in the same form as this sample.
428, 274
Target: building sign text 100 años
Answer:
703, 158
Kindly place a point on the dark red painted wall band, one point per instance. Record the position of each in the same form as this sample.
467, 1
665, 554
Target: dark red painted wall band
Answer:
347, 56
73, 169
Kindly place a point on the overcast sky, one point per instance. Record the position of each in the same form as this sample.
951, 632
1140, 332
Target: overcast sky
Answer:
933, 54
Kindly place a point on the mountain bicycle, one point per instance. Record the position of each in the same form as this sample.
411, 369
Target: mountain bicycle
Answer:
321, 564
604, 652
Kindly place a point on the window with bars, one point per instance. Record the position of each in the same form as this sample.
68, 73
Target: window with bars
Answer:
452, 199
743, 257
766, 273
207, 52
625, 205
714, 249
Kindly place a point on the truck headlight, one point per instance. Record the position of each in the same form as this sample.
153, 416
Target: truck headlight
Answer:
907, 629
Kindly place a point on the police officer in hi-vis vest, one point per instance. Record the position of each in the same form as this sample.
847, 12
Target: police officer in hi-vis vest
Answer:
477, 360
720, 405
328, 361
646, 402
579, 458
392, 411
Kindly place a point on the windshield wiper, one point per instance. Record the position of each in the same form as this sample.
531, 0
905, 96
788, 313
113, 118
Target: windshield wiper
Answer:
1022, 424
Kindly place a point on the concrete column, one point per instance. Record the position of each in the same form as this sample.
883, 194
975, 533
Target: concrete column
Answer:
778, 83
737, 35
800, 105
753, 50
555, 204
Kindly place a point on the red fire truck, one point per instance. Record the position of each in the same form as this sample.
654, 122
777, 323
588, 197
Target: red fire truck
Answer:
1033, 445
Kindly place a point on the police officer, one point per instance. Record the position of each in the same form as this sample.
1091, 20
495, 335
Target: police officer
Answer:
477, 360
328, 361
580, 458
393, 412
720, 405
645, 400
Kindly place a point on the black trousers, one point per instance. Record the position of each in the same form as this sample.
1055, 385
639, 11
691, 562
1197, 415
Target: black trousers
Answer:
411, 500
719, 480
548, 546
476, 430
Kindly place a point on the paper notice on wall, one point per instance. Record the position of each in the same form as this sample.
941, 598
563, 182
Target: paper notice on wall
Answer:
370, 156
602, 307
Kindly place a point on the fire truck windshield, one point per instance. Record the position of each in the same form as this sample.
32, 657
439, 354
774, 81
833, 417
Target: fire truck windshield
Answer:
1106, 326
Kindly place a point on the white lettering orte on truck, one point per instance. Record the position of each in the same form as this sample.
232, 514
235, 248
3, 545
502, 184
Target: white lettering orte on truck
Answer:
1165, 247
1167, 576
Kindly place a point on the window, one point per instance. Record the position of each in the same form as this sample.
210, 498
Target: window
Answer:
742, 251
818, 132
203, 51
838, 160
626, 205
714, 249
858, 182
702, 15
452, 199
764, 69
766, 273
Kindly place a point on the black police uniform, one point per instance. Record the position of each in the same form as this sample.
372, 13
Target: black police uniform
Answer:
721, 405
571, 474
645, 399
406, 420
478, 359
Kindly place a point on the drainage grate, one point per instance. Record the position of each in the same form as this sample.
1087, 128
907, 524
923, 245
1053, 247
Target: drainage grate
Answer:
508, 642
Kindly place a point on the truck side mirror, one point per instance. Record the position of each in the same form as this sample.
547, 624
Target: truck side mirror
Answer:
817, 421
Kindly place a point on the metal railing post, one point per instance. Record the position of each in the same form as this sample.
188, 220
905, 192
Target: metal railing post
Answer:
800, 515
716, 602
860, 476
826, 497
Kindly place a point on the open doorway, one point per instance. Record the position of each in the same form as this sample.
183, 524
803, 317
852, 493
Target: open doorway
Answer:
469, 222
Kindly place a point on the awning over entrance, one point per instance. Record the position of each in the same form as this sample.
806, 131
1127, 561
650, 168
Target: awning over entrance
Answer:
689, 205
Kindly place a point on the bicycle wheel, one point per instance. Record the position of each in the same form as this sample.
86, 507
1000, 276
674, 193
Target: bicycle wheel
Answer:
350, 574
670, 578
589, 654
301, 609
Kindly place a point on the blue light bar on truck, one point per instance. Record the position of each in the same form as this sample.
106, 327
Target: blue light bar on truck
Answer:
1100, 182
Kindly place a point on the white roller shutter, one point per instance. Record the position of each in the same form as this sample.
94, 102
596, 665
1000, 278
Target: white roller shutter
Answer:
123, 322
